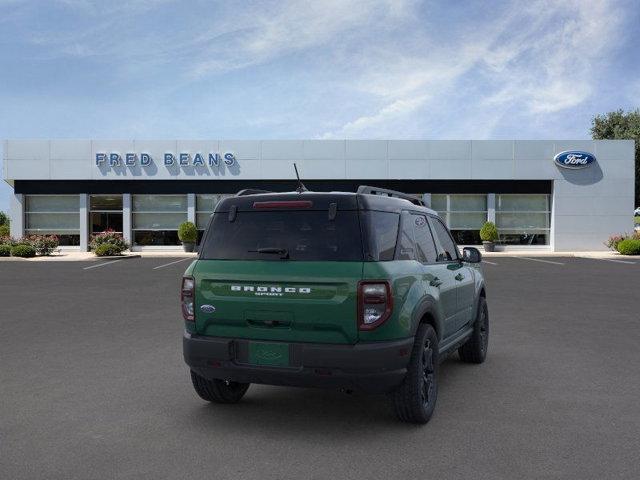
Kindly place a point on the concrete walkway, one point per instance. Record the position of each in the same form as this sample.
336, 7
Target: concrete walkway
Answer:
75, 256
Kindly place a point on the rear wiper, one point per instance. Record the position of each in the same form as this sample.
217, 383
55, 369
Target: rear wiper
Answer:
283, 252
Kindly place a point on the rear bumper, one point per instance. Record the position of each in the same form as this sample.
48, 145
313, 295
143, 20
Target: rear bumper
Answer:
369, 367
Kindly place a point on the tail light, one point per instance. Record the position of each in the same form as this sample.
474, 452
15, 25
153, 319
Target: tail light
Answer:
375, 303
187, 294
284, 204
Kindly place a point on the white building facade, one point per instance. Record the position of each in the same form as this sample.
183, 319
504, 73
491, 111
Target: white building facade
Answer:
553, 195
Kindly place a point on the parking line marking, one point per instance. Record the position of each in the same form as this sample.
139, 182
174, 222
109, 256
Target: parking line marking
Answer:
612, 260
102, 264
540, 260
171, 263
487, 261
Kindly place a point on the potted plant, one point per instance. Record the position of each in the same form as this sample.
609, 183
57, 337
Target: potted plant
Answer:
489, 236
188, 235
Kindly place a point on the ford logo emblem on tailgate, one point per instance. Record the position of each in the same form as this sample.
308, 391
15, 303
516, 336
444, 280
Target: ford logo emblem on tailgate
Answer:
207, 308
574, 159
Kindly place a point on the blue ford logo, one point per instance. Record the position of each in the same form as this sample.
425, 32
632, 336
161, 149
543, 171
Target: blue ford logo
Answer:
574, 159
207, 308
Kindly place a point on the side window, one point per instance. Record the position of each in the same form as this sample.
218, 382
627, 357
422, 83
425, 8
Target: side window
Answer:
448, 250
381, 231
406, 246
426, 248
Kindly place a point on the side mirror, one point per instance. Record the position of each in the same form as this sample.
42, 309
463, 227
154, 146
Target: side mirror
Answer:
471, 255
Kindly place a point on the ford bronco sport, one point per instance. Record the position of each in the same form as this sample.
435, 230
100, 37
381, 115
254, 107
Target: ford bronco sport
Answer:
360, 291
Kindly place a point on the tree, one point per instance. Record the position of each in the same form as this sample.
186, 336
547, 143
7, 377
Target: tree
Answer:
4, 218
620, 125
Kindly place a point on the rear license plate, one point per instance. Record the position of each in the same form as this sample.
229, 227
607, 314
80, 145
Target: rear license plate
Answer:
272, 354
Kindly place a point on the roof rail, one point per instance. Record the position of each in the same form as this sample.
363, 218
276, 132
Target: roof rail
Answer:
368, 190
251, 191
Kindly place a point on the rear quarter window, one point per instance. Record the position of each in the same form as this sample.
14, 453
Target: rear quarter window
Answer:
381, 233
305, 235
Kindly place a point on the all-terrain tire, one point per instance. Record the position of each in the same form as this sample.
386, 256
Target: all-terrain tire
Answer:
218, 391
475, 349
415, 399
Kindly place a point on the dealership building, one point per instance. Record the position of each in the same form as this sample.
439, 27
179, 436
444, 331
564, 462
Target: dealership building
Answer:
542, 194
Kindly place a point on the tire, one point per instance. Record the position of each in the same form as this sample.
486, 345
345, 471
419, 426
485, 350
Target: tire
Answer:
218, 391
415, 399
475, 349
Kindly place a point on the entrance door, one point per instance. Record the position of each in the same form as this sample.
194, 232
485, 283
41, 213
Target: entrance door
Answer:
105, 213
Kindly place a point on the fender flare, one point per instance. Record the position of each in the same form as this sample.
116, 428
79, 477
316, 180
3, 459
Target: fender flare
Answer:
427, 305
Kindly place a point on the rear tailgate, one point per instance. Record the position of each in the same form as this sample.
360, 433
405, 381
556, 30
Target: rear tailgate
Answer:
290, 301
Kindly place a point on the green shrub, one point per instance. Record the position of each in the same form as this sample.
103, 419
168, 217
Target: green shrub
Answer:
629, 246
108, 250
108, 237
23, 250
613, 241
4, 231
489, 232
4, 219
187, 232
5, 250
636, 220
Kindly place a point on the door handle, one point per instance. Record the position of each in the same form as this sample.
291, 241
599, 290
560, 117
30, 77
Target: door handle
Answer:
436, 282
459, 277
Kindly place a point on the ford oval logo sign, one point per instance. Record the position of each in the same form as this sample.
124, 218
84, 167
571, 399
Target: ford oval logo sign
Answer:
574, 159
208, 308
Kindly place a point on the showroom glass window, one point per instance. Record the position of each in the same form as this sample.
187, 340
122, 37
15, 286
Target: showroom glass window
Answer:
523, 219
54, 215
464, 214
156, 219
106, 213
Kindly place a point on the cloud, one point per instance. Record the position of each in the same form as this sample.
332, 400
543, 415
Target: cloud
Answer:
292, 26
541, 58
360, 68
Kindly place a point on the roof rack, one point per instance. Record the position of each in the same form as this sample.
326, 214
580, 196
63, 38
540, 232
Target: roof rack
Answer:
251, 191
368, 190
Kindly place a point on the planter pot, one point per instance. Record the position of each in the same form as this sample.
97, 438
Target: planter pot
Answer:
188, 246
489, 246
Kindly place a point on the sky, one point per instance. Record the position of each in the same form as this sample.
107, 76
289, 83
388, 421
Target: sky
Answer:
286, 69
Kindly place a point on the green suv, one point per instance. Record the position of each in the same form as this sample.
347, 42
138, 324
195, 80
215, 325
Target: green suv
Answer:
359, 291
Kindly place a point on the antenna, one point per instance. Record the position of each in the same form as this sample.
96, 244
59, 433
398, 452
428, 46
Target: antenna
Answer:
301, 188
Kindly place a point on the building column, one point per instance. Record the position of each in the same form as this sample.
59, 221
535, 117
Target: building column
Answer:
191, 207
446, 215
126, 219
552, 220
17, 215
84, 222
491, 207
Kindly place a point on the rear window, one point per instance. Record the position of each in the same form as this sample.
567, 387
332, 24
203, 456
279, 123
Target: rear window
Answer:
304, 235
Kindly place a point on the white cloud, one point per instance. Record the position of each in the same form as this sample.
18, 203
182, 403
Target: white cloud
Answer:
540, 58
293, 26
390, 63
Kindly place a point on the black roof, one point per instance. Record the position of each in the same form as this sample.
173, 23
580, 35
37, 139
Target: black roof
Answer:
322, 200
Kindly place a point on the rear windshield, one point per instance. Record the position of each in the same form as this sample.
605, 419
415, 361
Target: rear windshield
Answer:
303, 235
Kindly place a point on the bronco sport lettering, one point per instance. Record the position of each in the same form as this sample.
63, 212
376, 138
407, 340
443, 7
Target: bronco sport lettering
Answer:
269, 290
386, 295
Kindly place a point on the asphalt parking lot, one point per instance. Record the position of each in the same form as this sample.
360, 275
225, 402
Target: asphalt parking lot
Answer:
92, 385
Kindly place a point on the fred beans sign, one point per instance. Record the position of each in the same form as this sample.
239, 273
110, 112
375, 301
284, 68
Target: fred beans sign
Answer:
169, 159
